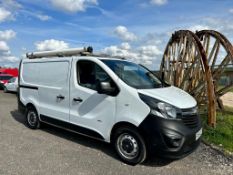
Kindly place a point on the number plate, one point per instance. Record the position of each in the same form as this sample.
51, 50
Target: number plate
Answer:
198, 134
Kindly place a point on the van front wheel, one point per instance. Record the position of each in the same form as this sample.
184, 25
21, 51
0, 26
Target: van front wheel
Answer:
32, 118
130, 145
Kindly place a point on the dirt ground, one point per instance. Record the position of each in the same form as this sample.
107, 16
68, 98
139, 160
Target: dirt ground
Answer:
228, 99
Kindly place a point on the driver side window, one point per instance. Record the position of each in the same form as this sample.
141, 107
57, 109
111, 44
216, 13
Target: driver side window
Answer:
90, 74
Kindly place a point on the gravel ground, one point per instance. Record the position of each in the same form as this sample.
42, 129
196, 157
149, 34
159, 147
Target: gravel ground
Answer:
54, 151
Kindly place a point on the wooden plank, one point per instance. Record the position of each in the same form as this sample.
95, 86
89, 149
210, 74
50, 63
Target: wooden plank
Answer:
187, 74
212, 51
207, 44
215, 56
182, 57
217, 73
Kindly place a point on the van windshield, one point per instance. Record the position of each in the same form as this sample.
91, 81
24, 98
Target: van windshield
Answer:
133, 74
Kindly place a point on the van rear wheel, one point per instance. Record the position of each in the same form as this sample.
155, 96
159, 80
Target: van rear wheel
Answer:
130, 145
32, 118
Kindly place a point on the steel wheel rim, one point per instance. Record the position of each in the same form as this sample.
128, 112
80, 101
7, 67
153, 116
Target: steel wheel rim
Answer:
127, 146
32, 118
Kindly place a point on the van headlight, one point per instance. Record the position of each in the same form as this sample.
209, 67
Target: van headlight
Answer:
158, 108
167, 110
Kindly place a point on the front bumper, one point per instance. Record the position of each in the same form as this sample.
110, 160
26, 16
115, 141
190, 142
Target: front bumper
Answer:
170, 138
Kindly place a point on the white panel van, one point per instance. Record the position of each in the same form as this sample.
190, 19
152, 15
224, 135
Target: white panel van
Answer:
112, 100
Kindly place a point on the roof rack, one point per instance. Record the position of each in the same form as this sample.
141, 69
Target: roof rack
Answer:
68, 52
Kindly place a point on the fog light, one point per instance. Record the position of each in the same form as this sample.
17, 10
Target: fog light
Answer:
173, 141
176, 142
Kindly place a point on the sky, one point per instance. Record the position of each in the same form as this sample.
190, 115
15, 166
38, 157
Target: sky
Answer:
136, 29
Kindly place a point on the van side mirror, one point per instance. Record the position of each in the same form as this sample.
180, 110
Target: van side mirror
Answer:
105, 88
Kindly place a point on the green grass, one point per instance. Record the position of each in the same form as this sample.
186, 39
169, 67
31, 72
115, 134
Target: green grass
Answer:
223, 133
228, 109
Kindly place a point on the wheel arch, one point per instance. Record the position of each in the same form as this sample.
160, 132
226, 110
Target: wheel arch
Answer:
121, 124
31, 105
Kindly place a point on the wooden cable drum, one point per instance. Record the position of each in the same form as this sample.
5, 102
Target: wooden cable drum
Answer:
185, 65
219, 52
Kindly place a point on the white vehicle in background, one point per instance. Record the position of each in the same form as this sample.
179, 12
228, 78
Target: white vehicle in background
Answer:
11, 85
109, 99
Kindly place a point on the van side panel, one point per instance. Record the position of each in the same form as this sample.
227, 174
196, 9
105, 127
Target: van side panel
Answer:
54, 83
42, 82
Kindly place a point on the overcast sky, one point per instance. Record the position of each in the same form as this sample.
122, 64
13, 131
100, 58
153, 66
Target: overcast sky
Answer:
137, 29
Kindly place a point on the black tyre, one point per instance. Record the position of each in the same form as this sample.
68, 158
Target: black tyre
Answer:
32, 118
130, 145
5, 89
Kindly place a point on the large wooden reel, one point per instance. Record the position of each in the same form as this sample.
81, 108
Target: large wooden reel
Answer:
219, 52
185, 65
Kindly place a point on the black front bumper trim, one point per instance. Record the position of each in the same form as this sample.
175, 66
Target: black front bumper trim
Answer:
161, 135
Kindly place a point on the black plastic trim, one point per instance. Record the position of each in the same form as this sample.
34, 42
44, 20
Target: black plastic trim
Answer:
28, 87
1, 86
71, 127
154, 130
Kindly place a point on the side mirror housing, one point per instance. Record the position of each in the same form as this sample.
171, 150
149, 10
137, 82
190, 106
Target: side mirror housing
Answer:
105, 88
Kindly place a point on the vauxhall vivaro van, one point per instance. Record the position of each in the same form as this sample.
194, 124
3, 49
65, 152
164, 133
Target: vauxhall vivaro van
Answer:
109, 99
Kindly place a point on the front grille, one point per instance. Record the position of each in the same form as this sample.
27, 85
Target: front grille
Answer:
190, 118
189, 110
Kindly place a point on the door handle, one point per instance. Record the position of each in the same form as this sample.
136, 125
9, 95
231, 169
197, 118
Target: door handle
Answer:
61, 97
78, 99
